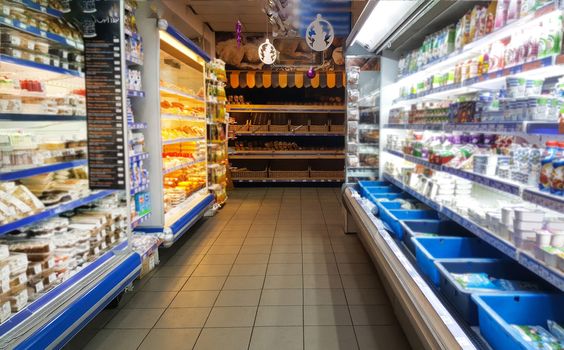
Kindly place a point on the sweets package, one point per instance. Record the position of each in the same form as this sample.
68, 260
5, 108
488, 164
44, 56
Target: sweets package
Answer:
539, 337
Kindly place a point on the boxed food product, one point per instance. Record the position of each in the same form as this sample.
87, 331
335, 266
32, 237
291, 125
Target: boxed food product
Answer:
18, 298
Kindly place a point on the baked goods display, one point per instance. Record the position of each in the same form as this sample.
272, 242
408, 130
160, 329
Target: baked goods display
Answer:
36, 258
249, 145
185, 131
181, 184
21, 149
183, 109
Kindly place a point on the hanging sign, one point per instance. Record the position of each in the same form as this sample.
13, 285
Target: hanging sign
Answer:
105, 106
267, 52
319, 34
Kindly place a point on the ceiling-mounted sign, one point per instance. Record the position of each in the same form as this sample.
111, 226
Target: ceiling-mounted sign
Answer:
319, 34
267, 52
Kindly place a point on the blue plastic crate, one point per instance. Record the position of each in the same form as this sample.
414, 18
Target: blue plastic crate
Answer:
363, 186
437, 227
496, 314
429, 249
462, 298
393, 218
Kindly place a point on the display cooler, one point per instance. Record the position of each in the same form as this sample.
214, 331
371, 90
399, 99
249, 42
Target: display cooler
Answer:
66, 247
175, 104
466, 222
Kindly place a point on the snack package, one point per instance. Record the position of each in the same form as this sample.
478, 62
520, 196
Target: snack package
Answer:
556, 329
501, 14
539, 337
475, 281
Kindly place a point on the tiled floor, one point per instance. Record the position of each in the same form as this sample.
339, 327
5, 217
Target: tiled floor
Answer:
272, 270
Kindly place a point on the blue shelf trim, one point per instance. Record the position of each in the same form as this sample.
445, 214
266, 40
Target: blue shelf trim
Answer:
138, 221
141, 188
20, 174
137, 126
189, 43
133, 61
19, 117
14, 23
9, 227
135, 93
336, 134
544, 199
138, 157
526, 127
43, 9
556, 278
186, 221
286, 180
46, 67
105, 291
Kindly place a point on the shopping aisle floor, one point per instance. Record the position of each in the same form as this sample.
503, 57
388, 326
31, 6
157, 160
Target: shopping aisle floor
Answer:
272, 270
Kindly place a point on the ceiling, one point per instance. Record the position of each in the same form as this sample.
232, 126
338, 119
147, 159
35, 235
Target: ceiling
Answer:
221, 15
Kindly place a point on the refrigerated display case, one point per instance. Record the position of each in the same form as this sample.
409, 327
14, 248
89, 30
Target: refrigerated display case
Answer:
218, 129
175, 104
466, 224
64, 248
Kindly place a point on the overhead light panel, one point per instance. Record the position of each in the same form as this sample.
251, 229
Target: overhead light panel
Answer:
385, 17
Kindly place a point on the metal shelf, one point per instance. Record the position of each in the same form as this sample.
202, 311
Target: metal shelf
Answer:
266, 180
267, 133
34, 31
524, 127
182, 166
46, 10
186, 139
20, 117
137, 126
45, 67
553, 276
285, 109
133, 61
543, 199
23, 173
53, 211
138, 157
287, 155
173, 92
183, 117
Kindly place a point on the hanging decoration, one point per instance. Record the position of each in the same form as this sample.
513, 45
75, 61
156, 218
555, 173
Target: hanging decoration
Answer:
311, 73
267, 52
238, 31
320, 34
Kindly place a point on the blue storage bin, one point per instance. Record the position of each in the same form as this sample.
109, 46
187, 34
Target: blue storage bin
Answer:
381, 206
496, 314
462, 298
393, 217
429, 249
364, 185
438, 227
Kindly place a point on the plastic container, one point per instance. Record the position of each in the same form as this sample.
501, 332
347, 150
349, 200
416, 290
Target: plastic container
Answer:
461, 298
496, 314
430, 227
524, 214
363, 185
429, 249
394, 217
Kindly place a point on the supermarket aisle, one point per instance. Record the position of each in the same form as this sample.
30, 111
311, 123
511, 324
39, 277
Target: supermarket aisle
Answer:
272, 270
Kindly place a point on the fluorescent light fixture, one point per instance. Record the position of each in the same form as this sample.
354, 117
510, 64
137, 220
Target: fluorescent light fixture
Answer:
169, 39
384, 18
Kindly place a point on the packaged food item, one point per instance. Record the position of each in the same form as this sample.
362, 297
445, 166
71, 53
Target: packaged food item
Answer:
17, 263
538, 337
557, 173
5, 308
549, 156
18, 298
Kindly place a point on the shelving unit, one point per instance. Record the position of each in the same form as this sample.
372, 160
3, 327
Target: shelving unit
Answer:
298, 142
76, 282
174, 104
419, 124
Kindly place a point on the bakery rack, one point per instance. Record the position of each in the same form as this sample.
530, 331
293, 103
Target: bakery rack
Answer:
174, 103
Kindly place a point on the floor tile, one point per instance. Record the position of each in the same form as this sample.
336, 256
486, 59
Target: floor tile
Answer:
277, 338
184, 317
243, 282
212, 270
233, 316
319, 258
281, 297
174, 271
224, 249
360, 281
218, 259
287, 248
369, 315
322, 281
324, 296
330, 338
284, 269
230, 240
224, 338
283, 282
123, 339
366, 296
135, 318
327, 315
381, 338
180, 260
204, 283
352, 258
197, 298
255, 249
284, 258
150, 300
320, 269
252, 259
317, 248
238, 298
164, 284
248, 270
257, 241
279, 316
170, 339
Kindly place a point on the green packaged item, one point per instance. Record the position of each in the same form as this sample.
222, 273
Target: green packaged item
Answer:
474, 281
539, 338
556, 329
